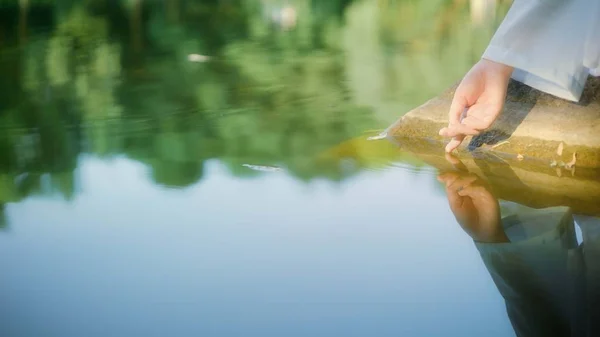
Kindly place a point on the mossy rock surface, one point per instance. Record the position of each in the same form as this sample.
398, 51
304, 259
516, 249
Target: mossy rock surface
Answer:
521, 156
532, 126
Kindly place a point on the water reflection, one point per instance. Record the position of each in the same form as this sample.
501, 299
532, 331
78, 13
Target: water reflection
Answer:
268, 256
177, 167
482, 10
543, 262
281, 83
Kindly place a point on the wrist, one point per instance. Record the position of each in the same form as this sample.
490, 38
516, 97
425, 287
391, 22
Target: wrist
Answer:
504, 69
495, 235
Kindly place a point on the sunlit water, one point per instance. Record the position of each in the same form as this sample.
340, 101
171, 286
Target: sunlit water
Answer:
202, 169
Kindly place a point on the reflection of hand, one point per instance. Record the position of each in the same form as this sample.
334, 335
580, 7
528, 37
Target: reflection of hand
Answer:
482, 91
474, 207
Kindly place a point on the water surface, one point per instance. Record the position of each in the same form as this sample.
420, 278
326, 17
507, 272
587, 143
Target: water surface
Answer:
199, 168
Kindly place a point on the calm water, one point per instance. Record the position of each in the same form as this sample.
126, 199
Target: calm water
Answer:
200, 168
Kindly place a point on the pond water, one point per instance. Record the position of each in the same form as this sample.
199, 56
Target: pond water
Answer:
201, 168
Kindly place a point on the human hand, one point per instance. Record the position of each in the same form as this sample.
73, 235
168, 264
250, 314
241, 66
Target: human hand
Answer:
475, 208
481, 93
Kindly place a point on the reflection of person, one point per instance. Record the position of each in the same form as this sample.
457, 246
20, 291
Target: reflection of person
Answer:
475, 208
549, 280
549, 45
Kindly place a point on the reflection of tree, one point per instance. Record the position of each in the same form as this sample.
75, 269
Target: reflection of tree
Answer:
294, 105
268, 100
401, 53
81, 58
3, 222
113, 78
63, 80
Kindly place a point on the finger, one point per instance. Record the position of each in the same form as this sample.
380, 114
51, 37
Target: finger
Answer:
477, 123
473, 192
462, 182
454, 200
447, 176
450, 179
481, 117
455, 162
457, 108
454, 143
452, 159
445, 132
456, 178
458, 130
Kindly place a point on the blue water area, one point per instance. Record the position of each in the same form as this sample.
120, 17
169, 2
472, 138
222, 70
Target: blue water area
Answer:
203, 168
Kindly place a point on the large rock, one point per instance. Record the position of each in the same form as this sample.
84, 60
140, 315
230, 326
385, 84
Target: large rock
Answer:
521, 156
521, 181
532, 127
524, 182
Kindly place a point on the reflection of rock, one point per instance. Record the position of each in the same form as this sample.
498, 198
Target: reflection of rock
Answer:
522, 182
534, 124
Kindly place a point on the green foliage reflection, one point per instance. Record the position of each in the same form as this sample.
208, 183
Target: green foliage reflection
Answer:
286, 82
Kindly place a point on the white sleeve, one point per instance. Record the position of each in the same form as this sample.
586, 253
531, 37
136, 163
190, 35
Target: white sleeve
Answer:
549, 43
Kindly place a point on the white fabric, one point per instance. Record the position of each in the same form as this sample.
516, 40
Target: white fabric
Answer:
552, 44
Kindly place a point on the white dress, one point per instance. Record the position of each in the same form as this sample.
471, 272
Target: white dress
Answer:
552, 44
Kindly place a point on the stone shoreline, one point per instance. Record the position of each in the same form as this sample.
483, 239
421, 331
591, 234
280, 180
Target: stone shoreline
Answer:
532, 127
521, 157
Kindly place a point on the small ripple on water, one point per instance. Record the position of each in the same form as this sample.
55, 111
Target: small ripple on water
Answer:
380, 136
405, 167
